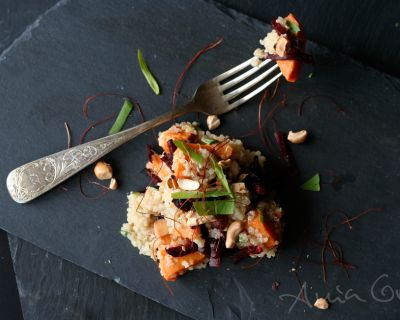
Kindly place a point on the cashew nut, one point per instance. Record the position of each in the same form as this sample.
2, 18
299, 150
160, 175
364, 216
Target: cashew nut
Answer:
188, 184
259, 53
103, 171
213, 122
321, 303
232, 233
160, 228
297, 136
255, 62
113, 184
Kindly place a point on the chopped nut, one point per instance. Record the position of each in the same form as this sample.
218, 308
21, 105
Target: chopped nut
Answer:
103, 171
225, 164
281, 46
259, 53
188, 184
213, 122
232, 233
297, 137
321, 303
255, 62
239, 187
113, 184
160, 228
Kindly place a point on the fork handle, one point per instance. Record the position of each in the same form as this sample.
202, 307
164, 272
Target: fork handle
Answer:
31, 180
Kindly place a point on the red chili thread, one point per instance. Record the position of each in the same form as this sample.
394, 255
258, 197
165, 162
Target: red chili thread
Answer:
337, 106
179, 82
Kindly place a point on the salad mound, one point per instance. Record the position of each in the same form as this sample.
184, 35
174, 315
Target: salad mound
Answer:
209, 201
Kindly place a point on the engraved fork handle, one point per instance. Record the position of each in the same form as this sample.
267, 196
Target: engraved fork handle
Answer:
31, 180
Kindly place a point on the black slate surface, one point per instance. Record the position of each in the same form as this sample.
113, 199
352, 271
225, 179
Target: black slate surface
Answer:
57, 289
10, 307
87, 232
362, 29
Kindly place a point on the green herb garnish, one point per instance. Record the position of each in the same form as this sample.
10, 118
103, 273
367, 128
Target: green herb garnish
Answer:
199, 194
214, 207
293, 27
147, 73
312, 184
122, 117
221, 176
181, 145
208, 140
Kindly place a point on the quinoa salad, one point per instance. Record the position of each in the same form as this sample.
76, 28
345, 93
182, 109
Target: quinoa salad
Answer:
207, 200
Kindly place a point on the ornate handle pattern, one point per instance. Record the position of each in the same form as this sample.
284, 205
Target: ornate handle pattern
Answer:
31, 180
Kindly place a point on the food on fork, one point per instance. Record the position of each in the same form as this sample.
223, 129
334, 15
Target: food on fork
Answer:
209, 201
285, 44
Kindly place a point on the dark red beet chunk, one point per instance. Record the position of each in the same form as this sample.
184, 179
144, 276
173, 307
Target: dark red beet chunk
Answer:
183, 204
255, 185
181, 251
150, 151
285, 152
215, 253
168, 157
278, 27
245, 252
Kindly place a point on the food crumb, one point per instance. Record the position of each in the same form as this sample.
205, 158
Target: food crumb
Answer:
275, 285
321, 303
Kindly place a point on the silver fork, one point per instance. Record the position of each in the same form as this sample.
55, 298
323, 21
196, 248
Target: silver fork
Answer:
31, 180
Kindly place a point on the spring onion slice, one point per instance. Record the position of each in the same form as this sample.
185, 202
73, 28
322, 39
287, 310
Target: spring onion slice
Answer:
147, 74
122, 117
221, 176
199, 194
214, 207
181, 145
312, 184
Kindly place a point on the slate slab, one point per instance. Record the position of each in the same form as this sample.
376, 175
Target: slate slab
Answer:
82, 47
57, 289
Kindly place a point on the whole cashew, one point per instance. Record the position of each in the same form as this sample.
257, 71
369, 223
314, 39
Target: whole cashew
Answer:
232, 233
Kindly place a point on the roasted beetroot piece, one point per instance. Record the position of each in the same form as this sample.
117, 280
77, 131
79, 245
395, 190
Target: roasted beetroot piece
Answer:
285, 153
293, 55
255, 185
220, 223
278, 27
215, 252
246, 252
150, 152
171, 146
181, 251
183, 204
168, 158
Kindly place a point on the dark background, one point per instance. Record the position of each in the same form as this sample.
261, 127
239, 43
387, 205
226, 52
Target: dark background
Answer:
48, 287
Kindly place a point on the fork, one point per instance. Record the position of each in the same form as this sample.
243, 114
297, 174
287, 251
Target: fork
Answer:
214, 97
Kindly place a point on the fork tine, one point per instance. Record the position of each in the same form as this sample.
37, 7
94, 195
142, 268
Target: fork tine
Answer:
249, 84
232, 71
255, 92
243, 76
